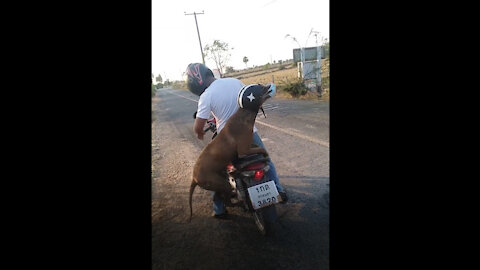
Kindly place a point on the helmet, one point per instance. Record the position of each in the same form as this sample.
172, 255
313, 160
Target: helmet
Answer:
251, 97
196, 74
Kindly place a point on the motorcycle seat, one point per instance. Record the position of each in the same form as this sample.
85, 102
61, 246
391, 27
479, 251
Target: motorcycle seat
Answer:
248, 160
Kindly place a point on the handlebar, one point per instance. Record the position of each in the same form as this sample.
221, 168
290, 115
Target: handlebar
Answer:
212, 124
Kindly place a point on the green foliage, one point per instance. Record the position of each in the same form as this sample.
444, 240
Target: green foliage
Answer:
229, 70
325, 82
245, 60
159, 78
179, 85
219, 53
295, 88
154, 90
327, 49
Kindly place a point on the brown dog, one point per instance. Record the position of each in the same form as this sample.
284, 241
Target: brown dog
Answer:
234, 140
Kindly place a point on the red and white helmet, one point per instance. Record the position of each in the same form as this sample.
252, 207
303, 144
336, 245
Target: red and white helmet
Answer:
196, 74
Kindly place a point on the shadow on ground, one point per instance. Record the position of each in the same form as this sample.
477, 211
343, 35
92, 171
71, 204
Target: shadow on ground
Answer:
301, 239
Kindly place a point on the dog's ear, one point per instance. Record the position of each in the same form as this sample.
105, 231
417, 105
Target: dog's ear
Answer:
265, 95
265, 88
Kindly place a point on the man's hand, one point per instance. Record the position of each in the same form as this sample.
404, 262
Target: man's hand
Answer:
198, 127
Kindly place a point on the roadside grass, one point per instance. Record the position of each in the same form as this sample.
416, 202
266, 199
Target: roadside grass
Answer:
286, 79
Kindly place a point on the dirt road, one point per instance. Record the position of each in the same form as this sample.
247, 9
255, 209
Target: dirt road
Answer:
296, 135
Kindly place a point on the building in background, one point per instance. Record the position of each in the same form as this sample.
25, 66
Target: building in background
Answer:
216, 73
309, 68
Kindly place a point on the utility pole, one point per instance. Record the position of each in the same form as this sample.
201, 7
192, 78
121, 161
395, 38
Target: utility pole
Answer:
198, 32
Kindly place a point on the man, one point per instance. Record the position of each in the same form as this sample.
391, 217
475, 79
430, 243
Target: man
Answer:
219, 97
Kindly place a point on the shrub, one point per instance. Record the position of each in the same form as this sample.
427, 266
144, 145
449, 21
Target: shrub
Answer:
325, 82
295, 88
153, 90
229, 70
179, 85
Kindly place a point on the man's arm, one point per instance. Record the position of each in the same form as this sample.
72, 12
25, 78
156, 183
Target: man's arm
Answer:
198, 127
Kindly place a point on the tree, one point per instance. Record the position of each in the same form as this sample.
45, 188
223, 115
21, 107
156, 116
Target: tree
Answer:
218, 52
159, 78
153, 88
245, 60
229, 70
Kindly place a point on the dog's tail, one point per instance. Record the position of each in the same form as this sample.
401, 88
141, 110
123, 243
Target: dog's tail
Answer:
192, 188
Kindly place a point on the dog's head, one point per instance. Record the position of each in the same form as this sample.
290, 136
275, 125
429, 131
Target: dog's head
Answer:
251, 97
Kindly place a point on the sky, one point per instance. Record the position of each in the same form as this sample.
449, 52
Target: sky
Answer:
252, 28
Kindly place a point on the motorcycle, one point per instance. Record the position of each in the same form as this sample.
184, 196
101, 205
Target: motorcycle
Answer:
251, 189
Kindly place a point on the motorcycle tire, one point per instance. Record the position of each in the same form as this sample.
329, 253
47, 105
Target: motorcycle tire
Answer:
264, 219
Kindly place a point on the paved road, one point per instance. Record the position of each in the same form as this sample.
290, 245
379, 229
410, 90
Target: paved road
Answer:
296, 134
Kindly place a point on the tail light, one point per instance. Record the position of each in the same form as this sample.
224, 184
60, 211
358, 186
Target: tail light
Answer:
258, 175
230, 168
257, 171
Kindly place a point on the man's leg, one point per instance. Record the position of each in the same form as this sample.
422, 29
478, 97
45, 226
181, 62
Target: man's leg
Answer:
272, 172
218, 205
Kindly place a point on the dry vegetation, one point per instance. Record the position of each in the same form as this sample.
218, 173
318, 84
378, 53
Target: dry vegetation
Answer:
280, 75
284, 76
274, 76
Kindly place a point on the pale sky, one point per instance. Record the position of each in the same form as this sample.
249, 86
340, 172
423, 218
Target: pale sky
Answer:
253, 28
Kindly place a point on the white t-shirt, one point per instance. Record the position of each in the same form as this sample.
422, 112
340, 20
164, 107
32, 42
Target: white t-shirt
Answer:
220, 98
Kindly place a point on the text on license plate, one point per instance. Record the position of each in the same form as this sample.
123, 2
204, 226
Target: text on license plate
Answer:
264, 194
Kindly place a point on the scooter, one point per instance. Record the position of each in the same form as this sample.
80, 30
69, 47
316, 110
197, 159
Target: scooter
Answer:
251, 189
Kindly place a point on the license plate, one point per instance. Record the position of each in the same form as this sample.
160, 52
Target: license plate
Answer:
264, 195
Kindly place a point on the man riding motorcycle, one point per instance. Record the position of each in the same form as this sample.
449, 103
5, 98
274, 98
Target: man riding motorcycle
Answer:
219, 97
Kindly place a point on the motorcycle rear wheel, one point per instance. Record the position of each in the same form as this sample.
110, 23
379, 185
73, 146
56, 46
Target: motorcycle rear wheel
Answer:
260, 222
264, 218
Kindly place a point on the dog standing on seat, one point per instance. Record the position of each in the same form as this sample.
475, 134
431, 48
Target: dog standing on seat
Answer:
234, 141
